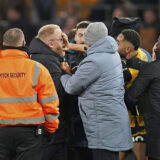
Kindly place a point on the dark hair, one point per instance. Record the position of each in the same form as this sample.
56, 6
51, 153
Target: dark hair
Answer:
132, 36
71, 34
82, 24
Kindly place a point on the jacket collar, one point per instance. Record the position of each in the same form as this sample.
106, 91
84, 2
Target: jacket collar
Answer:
39, 47
17, 53
23, 48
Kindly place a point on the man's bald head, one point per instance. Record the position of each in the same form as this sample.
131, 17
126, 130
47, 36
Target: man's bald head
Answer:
46, 32
14, 37
51, 35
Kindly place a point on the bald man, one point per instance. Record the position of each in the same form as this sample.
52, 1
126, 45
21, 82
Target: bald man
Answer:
48, 48
28, 99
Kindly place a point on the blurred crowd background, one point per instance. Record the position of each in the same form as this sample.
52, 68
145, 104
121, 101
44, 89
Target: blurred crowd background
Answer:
30, 15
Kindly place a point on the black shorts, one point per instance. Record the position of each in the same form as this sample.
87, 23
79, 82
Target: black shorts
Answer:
137, 128
138, 134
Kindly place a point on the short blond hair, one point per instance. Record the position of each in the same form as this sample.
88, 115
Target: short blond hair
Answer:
13, 37
46, 31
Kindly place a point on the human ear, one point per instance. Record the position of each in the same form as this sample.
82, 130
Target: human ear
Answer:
50, 44
23, 43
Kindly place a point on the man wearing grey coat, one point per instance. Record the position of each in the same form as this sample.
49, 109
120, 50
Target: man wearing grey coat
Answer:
99, 84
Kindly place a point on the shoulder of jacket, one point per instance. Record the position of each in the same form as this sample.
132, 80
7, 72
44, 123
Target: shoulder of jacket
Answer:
142, 55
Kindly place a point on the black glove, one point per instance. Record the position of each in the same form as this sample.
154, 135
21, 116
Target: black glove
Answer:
126, 73
129, 103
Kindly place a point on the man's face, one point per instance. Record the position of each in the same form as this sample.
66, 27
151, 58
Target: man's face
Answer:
79, 37
121, 45
56, 42
124, 46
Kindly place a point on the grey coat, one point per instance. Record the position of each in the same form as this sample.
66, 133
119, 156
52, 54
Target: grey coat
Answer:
99, 83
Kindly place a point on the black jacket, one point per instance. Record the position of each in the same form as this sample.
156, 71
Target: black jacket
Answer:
77, 134
135, 63
148, 81
42, 53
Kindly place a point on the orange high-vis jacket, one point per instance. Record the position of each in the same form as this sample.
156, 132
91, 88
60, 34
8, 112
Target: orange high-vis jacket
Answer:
27, 92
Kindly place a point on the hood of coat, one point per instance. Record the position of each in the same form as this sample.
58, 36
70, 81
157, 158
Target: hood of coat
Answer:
38, 47
106, 45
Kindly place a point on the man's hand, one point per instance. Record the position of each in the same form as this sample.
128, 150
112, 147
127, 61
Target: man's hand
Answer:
153, 51
65, 42
155, 48
78, 47
131, 55
66, 68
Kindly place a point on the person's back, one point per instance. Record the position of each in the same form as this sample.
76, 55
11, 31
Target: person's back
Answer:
99, 83
28, 100
148, 80
103, 95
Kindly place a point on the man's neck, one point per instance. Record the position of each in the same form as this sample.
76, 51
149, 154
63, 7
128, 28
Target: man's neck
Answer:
131, 55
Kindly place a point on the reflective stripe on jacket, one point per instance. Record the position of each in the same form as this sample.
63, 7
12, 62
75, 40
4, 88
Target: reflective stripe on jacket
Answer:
27, 92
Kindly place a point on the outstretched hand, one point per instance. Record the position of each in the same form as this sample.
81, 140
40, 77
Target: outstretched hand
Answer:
153, 51
131, 55
66, 68
65, 42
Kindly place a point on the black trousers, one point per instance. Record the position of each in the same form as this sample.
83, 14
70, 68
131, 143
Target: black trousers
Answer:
19, 143
101, 154
152, 158
55, 152
79, 153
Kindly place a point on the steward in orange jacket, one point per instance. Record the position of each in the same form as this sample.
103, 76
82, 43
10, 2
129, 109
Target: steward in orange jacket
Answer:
27, 93
28, 98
